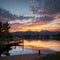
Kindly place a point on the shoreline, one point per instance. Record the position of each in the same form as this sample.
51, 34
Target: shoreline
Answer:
34, 56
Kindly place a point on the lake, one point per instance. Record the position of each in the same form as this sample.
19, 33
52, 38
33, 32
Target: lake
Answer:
33, 46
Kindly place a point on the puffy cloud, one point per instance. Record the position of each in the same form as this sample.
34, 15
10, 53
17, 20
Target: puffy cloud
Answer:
50, 7
6, 15
24, 21
48, 10
45, 18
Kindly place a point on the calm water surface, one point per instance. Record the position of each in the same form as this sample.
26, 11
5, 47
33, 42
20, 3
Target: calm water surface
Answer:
32, 46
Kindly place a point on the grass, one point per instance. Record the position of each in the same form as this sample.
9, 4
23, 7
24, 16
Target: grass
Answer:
55, 56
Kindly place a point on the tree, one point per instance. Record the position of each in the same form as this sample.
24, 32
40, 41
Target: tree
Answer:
0, 29
4, 31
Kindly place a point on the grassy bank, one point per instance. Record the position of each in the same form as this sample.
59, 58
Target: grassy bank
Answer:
55, 56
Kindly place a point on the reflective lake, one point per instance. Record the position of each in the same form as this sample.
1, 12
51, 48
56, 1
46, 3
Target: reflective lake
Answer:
33, 46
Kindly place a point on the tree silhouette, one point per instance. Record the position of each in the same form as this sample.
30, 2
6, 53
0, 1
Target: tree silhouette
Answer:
4, 31
0, 29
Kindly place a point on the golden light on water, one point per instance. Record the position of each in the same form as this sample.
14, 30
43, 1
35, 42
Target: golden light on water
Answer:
36, 44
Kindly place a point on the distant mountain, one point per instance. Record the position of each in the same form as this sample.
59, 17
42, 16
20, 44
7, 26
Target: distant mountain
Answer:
35, 33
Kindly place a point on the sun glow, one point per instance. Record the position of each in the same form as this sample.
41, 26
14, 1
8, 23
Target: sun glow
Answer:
36, 26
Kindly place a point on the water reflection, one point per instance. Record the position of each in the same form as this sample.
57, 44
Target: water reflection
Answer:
38, 44
32, 46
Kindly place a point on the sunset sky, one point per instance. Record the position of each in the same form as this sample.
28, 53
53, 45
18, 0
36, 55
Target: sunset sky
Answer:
31, 15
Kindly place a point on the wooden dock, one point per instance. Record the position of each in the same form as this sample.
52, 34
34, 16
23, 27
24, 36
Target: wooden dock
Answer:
15, 43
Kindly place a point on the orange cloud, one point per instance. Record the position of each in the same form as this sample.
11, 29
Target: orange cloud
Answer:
51, 26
